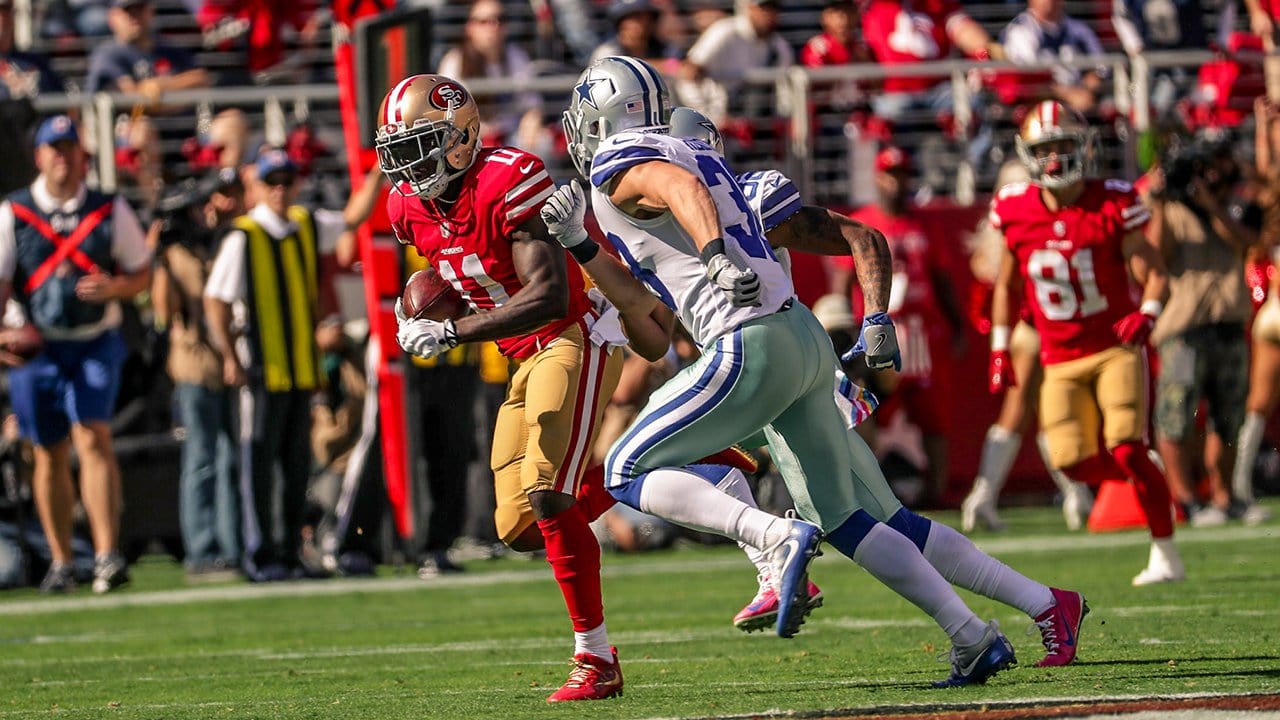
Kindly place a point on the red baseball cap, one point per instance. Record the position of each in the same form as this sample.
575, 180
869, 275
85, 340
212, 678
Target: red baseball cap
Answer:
892, 158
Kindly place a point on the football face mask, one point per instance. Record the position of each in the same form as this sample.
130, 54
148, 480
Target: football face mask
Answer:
430, 134
1055, 145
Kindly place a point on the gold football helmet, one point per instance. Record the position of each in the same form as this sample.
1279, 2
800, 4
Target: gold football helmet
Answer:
1055, 144
428, 134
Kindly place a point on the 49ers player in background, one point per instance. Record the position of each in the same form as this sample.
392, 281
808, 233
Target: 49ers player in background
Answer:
1075, 242
472, 212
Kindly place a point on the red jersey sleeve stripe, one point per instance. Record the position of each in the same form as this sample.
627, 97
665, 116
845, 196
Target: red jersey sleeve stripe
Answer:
528, 195
1137, 221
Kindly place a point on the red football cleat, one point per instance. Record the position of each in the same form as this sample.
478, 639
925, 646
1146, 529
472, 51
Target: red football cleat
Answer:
591, 679
762, 611
1060, 627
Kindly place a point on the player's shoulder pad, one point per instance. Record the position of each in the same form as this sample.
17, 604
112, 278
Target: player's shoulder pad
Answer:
508, 165
1133, 211
771, 195
628, 149
1007, 198
1118, 186
512, 179
1013, 190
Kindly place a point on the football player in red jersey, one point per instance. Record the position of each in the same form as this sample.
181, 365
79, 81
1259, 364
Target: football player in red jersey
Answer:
1075, 242
924, 308
472, 212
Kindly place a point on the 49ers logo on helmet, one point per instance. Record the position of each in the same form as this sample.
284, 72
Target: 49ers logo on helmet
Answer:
448, 94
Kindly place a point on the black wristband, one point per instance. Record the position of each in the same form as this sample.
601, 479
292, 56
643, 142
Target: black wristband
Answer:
713, 248
584, 251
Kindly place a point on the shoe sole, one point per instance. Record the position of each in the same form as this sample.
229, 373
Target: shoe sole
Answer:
108, 586
1161, 581
999, 666
610, 696
767, 620
789, 621
102, 586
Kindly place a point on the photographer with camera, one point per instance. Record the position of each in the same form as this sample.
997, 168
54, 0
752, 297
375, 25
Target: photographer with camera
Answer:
1201, 333
189, 221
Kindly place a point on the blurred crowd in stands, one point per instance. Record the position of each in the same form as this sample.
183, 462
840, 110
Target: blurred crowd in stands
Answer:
192, 171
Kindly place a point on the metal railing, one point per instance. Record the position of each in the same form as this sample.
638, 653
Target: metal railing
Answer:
784, 105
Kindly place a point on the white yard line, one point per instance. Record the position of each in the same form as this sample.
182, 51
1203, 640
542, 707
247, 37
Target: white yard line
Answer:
312, 588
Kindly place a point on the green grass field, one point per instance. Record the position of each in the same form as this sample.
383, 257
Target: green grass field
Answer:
494, 642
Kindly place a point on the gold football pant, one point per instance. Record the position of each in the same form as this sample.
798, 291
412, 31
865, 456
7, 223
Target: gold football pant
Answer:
547, 426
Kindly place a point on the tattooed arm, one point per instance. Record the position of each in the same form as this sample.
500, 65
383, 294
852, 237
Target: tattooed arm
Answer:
823, 232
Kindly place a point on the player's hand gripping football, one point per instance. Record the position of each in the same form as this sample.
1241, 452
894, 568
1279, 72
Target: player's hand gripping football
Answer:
878, 341
742, 286
1000, 372
424, 338
563, 213
1136, 327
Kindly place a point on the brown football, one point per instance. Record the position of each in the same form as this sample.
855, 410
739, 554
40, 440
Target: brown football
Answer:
25, 341
431, 297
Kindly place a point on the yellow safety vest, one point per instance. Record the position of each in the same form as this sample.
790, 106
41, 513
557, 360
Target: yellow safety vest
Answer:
283, 317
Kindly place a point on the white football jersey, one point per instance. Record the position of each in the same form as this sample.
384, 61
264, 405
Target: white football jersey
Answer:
773, 198
663, 256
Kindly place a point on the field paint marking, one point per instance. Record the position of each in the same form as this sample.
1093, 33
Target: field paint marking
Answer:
342, 586
1035, 703
271, 654
621, 638
851, 623
1188, 536
312, 588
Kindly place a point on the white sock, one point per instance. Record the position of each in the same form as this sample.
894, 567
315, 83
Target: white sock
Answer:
1060, 478
735, 485
1247, 445
688, 499
999, 450
1163, 550
961, 562
595, 642
894, 560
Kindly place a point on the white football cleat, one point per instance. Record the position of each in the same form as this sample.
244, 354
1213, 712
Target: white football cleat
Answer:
1163, 566
1077, 503
979, 508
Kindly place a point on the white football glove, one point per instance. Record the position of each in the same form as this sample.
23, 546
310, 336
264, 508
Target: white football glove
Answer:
563, 213
743, 286
427, 338
401, 318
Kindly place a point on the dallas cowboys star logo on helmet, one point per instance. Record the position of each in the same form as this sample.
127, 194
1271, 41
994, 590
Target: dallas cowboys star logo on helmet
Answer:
586, 87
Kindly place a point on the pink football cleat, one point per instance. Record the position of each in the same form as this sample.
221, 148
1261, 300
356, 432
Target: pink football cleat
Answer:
1060, 627
762, 611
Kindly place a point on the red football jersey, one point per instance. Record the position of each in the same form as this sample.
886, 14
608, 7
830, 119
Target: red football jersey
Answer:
823, 49
1076, 279
909, 31
914, 262
469, 241
913, 303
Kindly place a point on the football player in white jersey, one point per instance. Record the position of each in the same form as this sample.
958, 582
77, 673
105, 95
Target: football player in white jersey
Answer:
684, 227
789, 223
